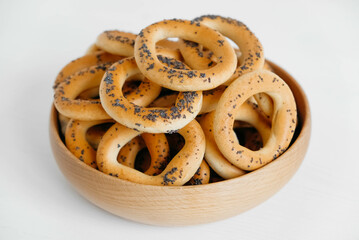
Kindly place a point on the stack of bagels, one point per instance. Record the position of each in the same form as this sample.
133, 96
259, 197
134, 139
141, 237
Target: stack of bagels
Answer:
176, 104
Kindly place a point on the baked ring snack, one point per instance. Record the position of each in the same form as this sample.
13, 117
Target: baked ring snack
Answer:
76, 142
283, 122
213, 155
152, 120
82, 109
91, 109
178, 171
252, 56
184, 80
83, 63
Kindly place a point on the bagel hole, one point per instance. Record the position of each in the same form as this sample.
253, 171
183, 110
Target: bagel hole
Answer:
176, 143
214, 177
95, 133
143, 160
166, 98
130, 86
166, 92
247, 135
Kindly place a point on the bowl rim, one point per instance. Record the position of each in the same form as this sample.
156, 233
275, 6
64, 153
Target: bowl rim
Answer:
305, 127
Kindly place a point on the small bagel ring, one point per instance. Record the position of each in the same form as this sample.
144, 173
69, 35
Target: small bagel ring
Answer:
178, 171
252, 56
152, 120
75, 139
84, 62
65, 95
283, 123
214, 157
91, 109
184, 80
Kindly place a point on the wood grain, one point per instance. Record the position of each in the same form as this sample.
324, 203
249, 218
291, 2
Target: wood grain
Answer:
186, 205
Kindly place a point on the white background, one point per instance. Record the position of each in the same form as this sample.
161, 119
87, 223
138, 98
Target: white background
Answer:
316, 41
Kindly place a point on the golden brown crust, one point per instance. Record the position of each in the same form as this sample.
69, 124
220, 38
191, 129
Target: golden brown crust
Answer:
202, 175
67, 91
76, 142
135, 115
84, 62
252, 56
283, 123
178, 171
184, 80
116, 42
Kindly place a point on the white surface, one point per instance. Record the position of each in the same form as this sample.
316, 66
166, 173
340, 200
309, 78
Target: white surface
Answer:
316, 41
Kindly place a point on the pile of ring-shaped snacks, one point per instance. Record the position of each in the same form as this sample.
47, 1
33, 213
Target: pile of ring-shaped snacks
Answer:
176, 104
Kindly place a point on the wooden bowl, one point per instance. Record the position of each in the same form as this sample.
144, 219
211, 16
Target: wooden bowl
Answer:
186, 205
